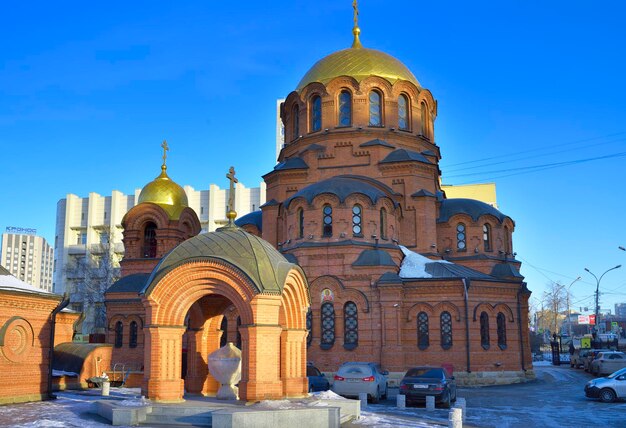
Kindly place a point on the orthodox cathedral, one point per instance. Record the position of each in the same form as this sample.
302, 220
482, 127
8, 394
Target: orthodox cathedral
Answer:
358, 255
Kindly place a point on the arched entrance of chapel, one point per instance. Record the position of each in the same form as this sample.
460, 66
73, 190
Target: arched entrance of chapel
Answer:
200, 291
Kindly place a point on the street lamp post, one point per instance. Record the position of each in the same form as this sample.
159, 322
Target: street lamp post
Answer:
598, 291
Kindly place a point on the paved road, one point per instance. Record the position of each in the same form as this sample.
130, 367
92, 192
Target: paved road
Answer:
555, 399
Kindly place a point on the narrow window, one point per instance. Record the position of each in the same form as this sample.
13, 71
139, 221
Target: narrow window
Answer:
224, 329
300, 223
119, 333
484, 330
309, 327
357, 219
328, 326
316, 113
238, 341
132, 341
351, 326
295, 121
383, 223
149, 241
376, 111
507, 241
345, 108
446, 330
403, 112
424, 120
422, 331
327, 221
501, 321
487, 236
460, 237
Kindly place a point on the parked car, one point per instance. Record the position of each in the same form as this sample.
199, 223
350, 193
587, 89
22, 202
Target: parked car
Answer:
353, 378
577, 359
608, 362
420, 382
607, 389
317, 381
590, 356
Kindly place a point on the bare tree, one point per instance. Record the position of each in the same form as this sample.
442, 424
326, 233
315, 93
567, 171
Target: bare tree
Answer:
554, 301
91, 275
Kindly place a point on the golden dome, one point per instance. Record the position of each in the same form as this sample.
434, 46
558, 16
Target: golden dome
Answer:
357, 62
165, 193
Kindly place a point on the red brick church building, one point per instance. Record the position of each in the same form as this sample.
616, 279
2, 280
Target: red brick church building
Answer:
392, 270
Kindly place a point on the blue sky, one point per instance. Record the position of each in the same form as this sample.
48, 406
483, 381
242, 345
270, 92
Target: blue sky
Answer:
531, 96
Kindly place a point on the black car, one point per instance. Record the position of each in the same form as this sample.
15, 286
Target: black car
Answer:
317, 381
420, 382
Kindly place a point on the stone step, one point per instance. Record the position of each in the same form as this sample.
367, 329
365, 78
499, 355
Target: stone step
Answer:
178, 420
181, 410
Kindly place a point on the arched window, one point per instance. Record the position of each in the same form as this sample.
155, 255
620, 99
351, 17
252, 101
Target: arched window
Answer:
422, 331
501, 321
224, 328
460, 237
295, 118
149, 241
316, 113
350, 326
238, 342
383, 223
376, 109
403, 112
132, 340
309, 327
445, 320
300, 223
507, 241
357, 219
328, 326
345, 108
327, 212
119, 334
484, 330
424, 119
487, 236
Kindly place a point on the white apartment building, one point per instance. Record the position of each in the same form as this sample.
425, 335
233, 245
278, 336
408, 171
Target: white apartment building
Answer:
28, 257
84, 223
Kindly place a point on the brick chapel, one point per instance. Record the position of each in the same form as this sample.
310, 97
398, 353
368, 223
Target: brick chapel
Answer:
358, 255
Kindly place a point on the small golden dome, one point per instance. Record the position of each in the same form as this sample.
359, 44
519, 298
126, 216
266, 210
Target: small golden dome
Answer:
357, 62
165, 193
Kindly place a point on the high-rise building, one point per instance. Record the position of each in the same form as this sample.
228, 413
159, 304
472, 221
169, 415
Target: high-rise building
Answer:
28, 257
84, 225
620, 310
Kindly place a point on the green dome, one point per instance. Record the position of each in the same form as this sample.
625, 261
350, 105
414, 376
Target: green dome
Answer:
262, 263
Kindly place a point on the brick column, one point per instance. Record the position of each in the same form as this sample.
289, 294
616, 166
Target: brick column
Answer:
162, 379
293, 363
212, 344
260, 377
197, 362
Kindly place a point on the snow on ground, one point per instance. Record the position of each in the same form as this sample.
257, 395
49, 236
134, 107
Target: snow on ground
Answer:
71, 409
327, 395
379, 420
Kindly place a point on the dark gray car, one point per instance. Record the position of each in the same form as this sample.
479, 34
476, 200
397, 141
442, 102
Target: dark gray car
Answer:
420, 382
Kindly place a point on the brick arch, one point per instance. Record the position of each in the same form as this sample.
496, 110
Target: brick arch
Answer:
450, 307
505, 309
137, 217
375, 82
417, 308
342, 293
311, 89
486, 307
172, 297
406, 87
189, 219
342, 82
295, 301
114, 319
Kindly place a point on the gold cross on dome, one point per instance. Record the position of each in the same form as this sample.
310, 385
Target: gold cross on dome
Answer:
165, 149
355, 6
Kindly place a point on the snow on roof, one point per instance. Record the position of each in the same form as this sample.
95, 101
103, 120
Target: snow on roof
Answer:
414, 264
9, 282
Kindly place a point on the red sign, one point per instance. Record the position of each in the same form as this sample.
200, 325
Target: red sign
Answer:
592, 319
